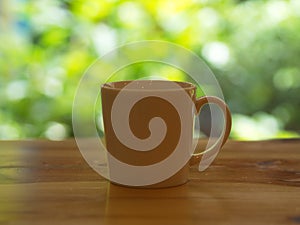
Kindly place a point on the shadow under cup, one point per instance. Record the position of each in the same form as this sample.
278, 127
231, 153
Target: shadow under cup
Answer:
149, 123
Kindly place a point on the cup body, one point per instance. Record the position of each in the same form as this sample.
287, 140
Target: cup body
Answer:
159, 100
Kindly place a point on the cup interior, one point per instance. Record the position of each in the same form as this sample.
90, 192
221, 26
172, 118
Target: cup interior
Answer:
149, 85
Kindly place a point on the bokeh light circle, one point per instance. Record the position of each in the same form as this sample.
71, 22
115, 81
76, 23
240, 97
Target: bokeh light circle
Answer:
84, 126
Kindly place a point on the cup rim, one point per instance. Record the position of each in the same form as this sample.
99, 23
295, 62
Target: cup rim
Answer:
183, 85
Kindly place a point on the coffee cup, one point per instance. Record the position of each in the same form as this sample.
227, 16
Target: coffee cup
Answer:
149, 127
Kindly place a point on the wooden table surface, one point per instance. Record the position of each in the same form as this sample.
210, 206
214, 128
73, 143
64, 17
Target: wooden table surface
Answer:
44, 182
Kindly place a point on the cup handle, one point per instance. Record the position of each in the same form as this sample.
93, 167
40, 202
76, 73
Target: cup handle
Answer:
196, 158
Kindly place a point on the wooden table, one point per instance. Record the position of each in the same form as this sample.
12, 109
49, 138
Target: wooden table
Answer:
44, 182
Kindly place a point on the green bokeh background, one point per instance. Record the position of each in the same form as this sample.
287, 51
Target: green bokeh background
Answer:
253, 47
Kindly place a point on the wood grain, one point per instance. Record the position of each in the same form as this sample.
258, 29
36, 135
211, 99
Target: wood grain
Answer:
44, 182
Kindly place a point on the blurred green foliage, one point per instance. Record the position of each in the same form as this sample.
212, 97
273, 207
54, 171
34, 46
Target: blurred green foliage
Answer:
253, 47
